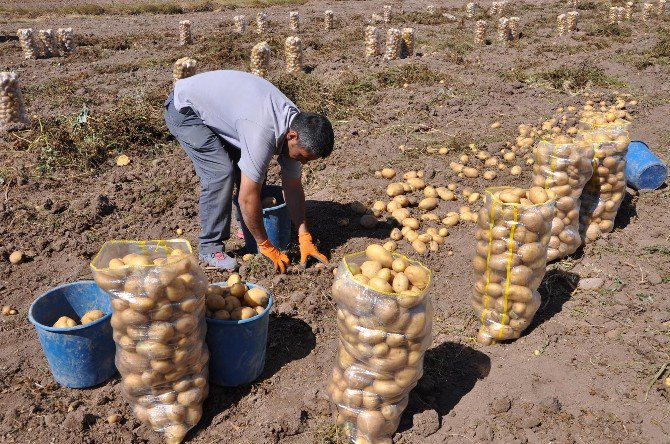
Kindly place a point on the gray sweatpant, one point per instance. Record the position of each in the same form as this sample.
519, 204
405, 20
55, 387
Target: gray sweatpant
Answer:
215, 163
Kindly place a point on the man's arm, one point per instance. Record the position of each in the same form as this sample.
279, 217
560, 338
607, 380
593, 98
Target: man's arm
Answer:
249, 199
294, 194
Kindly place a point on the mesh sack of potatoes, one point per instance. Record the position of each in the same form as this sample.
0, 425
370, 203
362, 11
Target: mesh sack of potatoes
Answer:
603, 194
27, 42
384, 317
66, 40
513, 232
260, 59
49, 48
564, 167
12, 108
183, 68
157, 291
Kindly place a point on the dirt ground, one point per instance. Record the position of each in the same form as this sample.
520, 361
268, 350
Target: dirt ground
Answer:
586, 371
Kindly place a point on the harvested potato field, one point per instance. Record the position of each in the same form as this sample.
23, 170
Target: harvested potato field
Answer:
431, 104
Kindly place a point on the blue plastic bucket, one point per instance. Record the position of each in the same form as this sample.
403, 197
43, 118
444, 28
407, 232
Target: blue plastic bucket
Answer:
81, 356
644, 170
276, 220
237, 348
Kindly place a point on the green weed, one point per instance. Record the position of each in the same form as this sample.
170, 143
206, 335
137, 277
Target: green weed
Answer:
656, 249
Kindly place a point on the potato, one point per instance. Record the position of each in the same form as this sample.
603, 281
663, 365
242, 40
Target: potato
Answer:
396, 234
451, 219
65, 322
400, 283
395, 189
238, 290
269, 202
379, 254
470, 172
417, 275
378, 208
428, 204
215, 302
380, 285
419, 247
256, 297
416, 183
515, 170
412, 223
231, 303
390, 246
233, 279
91, 315
222, 315
370, 269
160, 331
388, 173
430, 191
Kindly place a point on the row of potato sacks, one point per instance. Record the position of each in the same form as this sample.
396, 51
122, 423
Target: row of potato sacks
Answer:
578, 186
384, 319
157, 291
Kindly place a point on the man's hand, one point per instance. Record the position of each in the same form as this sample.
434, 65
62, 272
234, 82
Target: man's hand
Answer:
279, 259
307, 249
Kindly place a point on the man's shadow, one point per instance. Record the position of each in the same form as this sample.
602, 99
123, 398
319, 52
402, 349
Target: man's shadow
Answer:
326, 222
289, 339
450, 371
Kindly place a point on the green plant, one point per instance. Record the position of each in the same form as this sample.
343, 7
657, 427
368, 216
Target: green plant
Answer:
644, 297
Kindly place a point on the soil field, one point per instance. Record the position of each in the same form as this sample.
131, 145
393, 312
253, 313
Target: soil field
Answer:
590, 368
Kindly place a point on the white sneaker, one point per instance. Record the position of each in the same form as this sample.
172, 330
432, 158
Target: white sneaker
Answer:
220, 260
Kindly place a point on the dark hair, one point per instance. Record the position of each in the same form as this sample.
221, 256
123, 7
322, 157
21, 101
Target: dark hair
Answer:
315, 133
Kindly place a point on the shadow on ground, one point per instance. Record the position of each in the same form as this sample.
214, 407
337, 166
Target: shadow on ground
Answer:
451, 371
556, 289
289, 340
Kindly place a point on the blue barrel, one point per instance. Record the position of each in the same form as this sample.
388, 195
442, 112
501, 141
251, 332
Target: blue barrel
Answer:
276, 220
81, 356
644, 170
237, 348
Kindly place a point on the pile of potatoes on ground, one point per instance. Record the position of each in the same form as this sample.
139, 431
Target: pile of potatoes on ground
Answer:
235, 301
158, 298
384, 318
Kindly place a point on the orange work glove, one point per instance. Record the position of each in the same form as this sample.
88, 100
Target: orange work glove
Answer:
279, 259
307, 249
